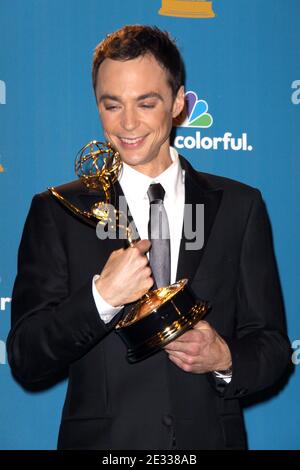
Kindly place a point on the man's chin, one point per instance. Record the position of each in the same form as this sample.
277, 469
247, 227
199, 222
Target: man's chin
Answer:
134, 162
134, 159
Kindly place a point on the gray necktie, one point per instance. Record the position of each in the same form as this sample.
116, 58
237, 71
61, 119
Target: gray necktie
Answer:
159, 235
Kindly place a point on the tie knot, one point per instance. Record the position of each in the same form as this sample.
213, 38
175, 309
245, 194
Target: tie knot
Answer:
156, 192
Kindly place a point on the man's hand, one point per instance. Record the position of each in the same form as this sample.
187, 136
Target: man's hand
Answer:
126, 275
200, 350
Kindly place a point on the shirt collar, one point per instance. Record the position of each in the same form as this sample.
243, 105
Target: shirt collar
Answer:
135, 184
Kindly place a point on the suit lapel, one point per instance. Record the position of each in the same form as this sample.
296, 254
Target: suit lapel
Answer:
198, 190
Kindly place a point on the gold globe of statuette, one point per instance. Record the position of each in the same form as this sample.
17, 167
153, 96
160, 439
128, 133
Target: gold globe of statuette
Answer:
187, 8
161, 315
98, 166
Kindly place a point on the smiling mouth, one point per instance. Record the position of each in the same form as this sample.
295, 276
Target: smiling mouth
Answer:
134, 141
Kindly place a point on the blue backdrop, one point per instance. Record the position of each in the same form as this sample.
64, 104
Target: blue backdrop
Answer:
244, 81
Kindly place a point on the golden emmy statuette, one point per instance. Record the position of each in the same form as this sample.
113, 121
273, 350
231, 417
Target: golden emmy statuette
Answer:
161, 315
187, 8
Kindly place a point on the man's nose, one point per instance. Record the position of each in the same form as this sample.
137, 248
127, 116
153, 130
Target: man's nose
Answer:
129, 119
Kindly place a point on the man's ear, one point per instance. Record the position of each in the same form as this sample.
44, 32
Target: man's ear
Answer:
179, 102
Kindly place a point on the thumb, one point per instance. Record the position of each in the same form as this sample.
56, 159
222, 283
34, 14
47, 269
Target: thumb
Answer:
202, 325
143, 246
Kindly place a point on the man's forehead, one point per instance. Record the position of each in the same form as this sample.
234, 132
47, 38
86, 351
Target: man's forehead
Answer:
147, 64
132, 78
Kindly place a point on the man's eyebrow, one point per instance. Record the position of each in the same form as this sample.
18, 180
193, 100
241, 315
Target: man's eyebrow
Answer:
109, 97
151, 94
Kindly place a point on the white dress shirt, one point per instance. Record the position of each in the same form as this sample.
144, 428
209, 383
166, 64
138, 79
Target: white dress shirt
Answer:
135, 186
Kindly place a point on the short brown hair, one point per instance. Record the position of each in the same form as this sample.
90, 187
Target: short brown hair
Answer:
132, 41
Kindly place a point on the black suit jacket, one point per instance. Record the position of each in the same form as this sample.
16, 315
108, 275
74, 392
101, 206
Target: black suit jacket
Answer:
111, 404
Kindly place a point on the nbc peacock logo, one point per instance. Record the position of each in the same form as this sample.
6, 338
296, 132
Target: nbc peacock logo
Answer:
196, 112
197, 116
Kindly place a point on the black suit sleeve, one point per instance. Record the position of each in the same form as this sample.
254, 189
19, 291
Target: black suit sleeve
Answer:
260, 349
51, 328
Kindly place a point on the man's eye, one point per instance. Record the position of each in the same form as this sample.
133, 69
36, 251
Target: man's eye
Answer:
111, 108
147, 105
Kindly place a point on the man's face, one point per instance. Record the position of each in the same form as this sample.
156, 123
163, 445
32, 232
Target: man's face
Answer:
136, 109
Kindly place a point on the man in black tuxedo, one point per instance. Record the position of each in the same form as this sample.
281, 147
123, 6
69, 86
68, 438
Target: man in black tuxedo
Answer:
71, 286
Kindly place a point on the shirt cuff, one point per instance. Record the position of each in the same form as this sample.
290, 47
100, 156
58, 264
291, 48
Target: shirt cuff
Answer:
226, 377
106, 311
